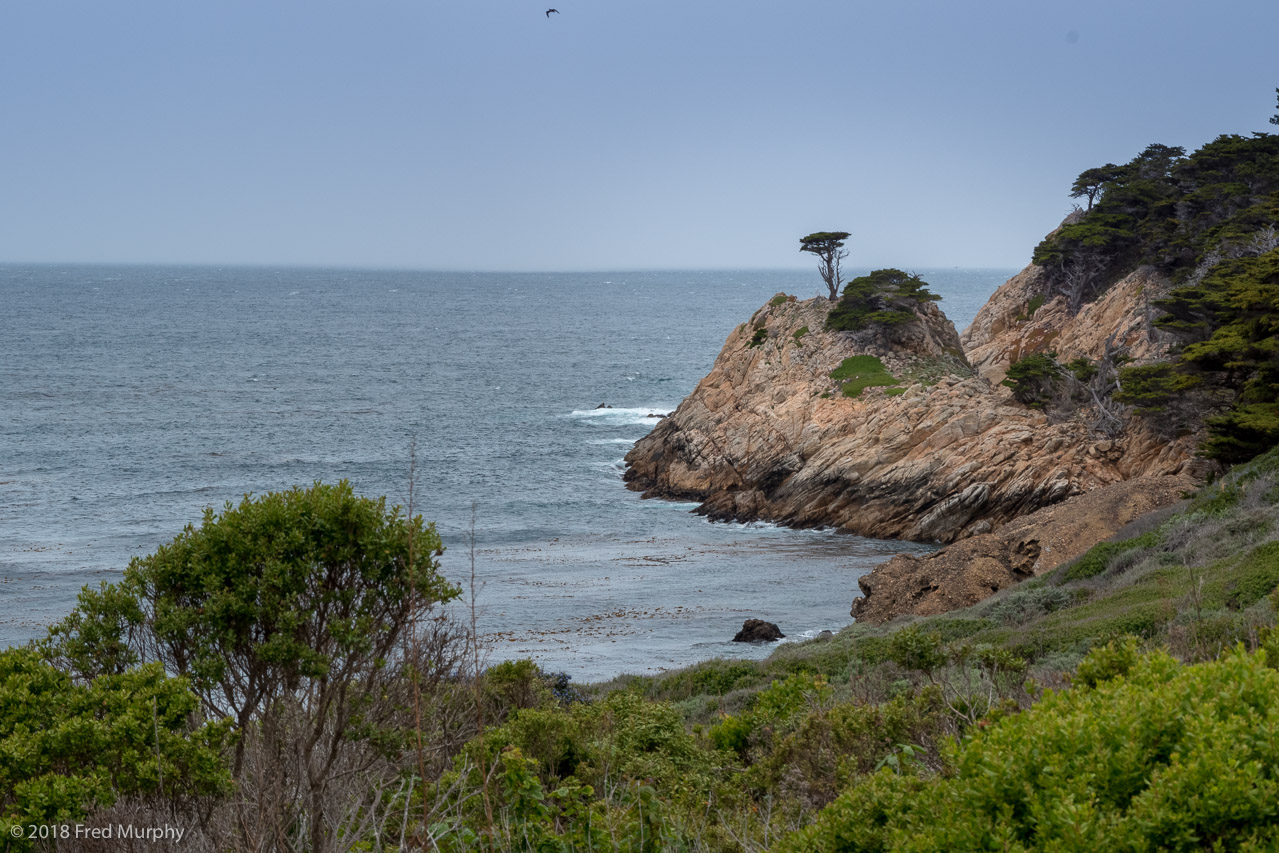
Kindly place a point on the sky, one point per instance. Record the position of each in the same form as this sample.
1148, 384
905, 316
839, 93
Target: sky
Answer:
485, 135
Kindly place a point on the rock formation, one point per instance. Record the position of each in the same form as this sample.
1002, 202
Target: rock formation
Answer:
968, 571
942, 455
945, 454
758, 631
1017, 321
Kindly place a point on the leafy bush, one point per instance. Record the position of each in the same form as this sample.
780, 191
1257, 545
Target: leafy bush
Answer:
68, 748
915, 649
1169, 757
885, 297
1111, 661
287, 614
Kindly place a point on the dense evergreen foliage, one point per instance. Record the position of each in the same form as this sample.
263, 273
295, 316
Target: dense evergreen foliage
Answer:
1208, 221
887, 297
1169, 210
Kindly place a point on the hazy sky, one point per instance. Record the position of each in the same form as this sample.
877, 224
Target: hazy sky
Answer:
481, 134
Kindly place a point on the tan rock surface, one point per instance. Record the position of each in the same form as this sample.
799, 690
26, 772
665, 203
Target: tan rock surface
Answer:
1005, 329
767, 435
969, 571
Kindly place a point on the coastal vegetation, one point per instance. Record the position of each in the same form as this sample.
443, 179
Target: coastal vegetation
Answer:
887, 297
1207, 222
1126, 699
828, 246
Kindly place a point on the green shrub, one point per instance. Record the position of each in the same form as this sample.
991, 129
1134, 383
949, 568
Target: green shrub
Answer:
885, 297
831, 747
1033, 378
799, 333
67, 748
1169, 757
779, 299
732, 734
915, 649
1023, 604
1111, 661
515, 684
758, 339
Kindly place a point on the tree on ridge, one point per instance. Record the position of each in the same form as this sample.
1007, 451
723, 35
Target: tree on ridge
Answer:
828, 246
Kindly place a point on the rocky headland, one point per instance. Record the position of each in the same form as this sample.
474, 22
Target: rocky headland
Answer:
934, 449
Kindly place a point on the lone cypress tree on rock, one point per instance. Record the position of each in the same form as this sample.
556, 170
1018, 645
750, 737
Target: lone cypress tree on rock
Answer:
828, 246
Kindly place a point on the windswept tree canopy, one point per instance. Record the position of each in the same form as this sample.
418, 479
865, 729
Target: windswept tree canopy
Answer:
1091, 182
828, 246
886, 297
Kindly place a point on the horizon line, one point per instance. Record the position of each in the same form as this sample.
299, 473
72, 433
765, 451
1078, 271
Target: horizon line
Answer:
359, 267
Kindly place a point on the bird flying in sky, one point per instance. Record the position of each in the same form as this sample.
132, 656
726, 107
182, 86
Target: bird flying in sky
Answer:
549, 11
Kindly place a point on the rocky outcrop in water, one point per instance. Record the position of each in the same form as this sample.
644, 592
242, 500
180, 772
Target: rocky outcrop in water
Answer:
943, 454
758, 631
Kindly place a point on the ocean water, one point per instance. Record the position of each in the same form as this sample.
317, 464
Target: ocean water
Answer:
132, 398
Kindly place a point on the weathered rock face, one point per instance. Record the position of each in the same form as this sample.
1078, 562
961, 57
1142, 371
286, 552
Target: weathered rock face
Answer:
970, 571
1006, 328
946, 455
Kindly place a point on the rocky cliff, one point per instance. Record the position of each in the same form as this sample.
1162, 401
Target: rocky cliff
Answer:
1017, 320
943, 454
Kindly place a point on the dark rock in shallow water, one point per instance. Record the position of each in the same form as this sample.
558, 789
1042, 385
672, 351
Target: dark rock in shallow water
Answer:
758, 631
655, 416
602, 406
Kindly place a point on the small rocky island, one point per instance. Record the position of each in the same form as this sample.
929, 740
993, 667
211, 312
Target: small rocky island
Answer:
908, 430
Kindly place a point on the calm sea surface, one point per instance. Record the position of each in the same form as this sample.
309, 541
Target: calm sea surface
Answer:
132, 398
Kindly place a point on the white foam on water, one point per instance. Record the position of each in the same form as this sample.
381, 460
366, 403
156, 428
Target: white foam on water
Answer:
620, 416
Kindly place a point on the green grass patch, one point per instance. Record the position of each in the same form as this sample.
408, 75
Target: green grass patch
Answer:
1098, 558
799, 333
779, 299
1239, 584
859, 372
1036, 302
